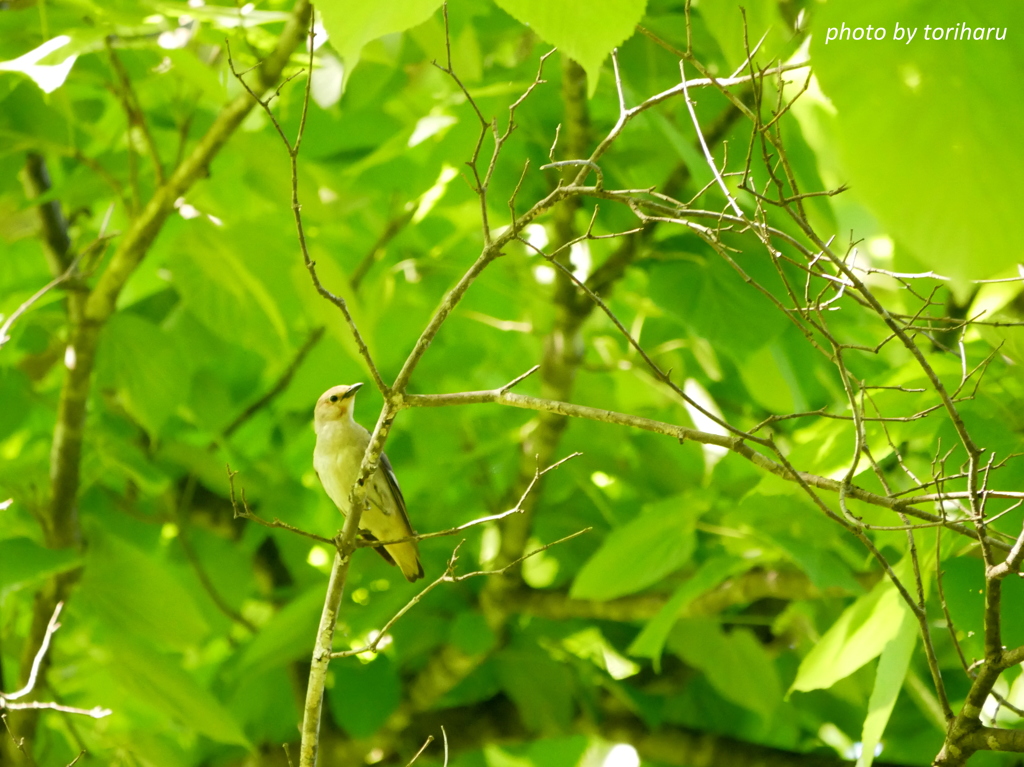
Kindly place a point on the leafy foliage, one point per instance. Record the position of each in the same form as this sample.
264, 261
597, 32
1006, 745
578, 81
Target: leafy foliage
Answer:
710, 584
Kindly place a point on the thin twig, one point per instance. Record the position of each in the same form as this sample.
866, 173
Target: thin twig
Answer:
86, 258
448, 576
242, 511
517, 509
427, 742
280, 385
37, 661
293, 155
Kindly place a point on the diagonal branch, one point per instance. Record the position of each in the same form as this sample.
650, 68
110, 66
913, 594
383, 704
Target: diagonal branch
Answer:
88, 311
280, 385
683, 433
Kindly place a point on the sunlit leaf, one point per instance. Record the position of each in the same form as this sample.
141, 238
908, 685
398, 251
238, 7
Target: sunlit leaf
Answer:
23, 561
893, 665
353, 25
156, 606
585, 31
642, 552
944, 123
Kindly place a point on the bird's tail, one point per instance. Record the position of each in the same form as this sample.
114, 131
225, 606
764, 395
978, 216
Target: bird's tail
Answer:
407, 557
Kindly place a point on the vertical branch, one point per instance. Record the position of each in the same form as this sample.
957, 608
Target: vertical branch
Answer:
59, 519
133, 111
321, 659
53, 227
293, 149
346, 542
563, 346
89, 309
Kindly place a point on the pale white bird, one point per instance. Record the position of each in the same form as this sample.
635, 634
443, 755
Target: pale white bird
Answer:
340, 444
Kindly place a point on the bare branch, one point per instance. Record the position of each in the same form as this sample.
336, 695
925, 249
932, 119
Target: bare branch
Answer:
517, 509
33, 675
280, 385
448, 576
429, 740
242, 511
293, 155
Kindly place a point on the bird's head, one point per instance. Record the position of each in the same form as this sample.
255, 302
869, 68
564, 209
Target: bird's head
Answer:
335, 404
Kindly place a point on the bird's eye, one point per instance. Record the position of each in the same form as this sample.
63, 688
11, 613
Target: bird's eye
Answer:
334, 398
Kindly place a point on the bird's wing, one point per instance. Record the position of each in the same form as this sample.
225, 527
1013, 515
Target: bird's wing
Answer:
396, 491
366, 535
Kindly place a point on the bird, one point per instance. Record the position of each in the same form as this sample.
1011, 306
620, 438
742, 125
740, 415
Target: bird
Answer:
340, 445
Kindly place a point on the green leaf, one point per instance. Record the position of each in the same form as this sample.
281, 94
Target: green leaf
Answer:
471, 634
863, 630
642, 552
23, 561
150, 372
14, 393
585, 30
160, 682
155, 605
286, 636
782, 517
264, 702
364, 695
709, 298
946, 125
126, 459
558, 752
892, 670
963, 585
772, 381
540, 687
353, 25
858, 636
651, 641
736, 664
737, 27
221, 290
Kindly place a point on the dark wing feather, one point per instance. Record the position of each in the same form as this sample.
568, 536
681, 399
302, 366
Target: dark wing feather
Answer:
367, 536
396, 491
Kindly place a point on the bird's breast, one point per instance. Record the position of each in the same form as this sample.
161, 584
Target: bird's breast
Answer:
337, 463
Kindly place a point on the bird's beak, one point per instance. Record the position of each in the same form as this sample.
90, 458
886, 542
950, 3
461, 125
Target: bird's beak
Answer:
352, 390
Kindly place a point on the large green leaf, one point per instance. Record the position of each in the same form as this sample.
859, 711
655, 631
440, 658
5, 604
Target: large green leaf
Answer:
866, 627
540, 687
585, 30
287, 635
642, 552
964, 588
928, 135
221, 289
161, 682
151, 374
736, 664
23, 561
738, 27
125, 458
861, 633
352, 25
14, 393
363, 696
651, 641
155, 606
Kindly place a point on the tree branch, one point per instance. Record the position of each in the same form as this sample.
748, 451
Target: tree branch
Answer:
88, 311
683, 433
280, 385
